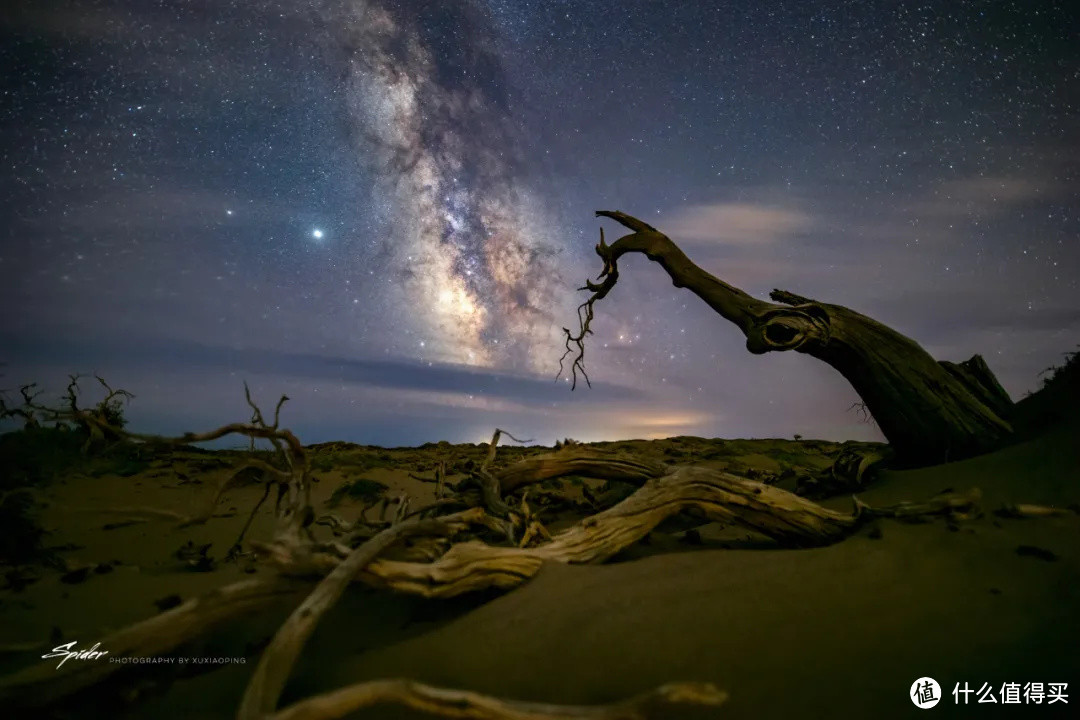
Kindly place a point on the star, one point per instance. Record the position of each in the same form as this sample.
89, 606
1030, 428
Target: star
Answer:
458, 157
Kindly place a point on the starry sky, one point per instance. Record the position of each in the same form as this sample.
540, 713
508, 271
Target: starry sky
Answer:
384, 208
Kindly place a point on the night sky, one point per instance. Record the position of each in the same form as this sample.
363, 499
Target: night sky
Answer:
385, 209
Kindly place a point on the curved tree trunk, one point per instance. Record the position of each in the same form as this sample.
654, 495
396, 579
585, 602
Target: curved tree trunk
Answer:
930, 412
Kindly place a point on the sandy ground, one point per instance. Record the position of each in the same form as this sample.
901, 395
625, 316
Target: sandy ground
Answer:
840, 631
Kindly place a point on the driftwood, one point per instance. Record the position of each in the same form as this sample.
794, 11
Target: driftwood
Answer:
464, 704
930, 412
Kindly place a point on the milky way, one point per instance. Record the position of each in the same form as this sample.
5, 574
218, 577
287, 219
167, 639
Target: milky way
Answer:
469, 238
383, 207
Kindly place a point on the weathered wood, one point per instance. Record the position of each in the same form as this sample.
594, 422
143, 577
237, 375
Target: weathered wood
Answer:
579, 460
267, 682
983, 384
464, 704
778, 514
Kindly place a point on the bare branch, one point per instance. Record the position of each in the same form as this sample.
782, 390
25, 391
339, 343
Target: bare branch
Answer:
575, 344
256, 413
27, 395
277, 410
465, 704
275, 665
111, 394
236, 546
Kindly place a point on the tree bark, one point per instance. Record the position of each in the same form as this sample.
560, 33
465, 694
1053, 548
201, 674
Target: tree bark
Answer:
930, 412
586, 462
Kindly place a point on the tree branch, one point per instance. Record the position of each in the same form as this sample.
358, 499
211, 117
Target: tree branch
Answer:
464, 704
266, 684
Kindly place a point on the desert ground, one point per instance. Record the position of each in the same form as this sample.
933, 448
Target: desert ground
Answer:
835, 631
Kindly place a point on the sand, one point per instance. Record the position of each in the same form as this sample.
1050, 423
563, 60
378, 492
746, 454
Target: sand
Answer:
840, 631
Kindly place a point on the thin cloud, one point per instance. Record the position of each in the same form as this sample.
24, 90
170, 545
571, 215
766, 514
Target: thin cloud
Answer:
744, 224
982, 195
441, 380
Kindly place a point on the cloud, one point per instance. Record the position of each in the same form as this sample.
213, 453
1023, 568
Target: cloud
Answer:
994, 189
653, 424
736, 223
444, 384
981, 195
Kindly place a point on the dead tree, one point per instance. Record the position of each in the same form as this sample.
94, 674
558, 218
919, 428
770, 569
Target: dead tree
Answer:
929, 411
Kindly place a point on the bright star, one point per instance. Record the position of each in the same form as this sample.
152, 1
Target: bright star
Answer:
228, 212
317, 234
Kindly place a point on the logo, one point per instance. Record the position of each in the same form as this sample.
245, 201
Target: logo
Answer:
67, 652
925, 693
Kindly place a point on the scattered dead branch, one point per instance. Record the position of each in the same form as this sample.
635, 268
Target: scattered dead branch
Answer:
464, 704
784, 517
267, 682
494, 444
436, 567
1024, 510
26, 411
140, 513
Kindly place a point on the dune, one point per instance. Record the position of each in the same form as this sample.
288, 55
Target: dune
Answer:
836, 631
